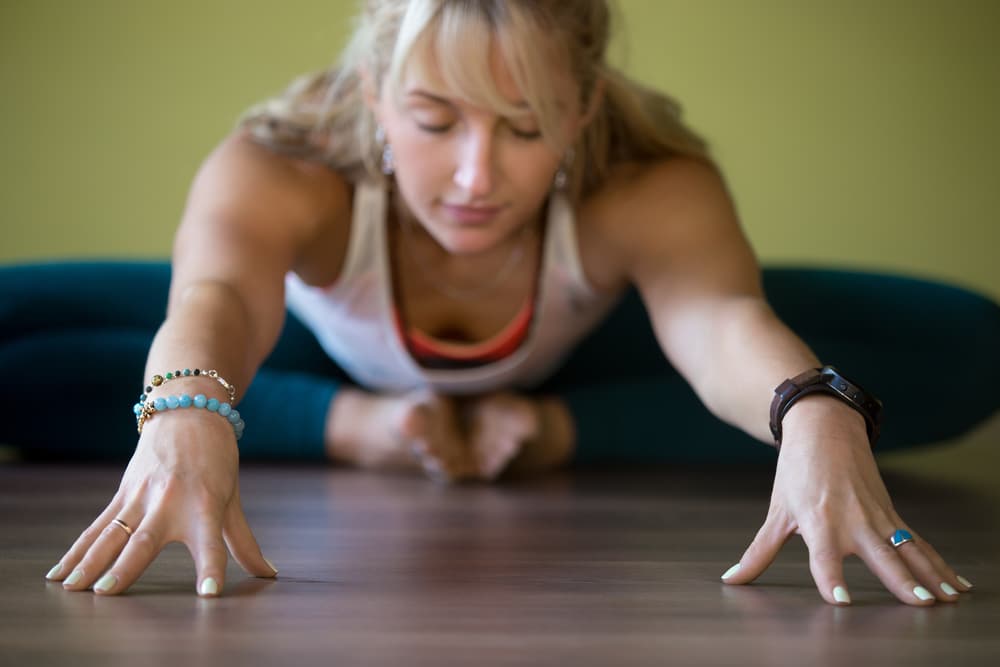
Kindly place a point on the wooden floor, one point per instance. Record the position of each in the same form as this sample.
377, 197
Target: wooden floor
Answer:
586, 568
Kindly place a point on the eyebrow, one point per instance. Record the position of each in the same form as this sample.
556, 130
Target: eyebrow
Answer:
419, 92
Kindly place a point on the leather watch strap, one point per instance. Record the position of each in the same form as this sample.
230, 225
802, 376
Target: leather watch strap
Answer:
826, 380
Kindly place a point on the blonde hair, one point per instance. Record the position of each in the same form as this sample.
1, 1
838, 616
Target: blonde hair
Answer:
323, 115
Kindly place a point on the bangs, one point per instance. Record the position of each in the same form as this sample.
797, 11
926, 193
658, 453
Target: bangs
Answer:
455, 45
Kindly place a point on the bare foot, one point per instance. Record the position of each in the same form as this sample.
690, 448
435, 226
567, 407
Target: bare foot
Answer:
520, 434
416, 431
432, 427
500, 427
364, 429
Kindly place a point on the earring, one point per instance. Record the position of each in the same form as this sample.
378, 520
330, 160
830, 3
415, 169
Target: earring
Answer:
562, 174
388, 167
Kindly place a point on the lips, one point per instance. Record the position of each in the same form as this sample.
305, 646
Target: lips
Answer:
472, 214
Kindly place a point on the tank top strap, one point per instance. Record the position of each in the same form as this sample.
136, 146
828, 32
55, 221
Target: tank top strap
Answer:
367, 235
563, 262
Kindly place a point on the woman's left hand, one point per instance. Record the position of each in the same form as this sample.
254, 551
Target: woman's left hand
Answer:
827, 488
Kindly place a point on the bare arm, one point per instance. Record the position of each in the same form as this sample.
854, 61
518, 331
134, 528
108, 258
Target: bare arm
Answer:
683, 248
250, 218
701, 285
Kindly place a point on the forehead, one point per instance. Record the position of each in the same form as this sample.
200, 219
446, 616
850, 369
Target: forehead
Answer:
503, 67
480, 83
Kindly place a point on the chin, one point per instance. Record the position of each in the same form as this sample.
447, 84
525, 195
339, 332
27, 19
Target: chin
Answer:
468, 241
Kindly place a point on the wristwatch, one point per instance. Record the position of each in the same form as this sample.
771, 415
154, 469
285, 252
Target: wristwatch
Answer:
825, 380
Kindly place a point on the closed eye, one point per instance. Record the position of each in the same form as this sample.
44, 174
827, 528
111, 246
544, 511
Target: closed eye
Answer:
435, 129
531, 135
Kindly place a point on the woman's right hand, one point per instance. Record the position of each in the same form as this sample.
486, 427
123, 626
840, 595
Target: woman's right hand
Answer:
182, 485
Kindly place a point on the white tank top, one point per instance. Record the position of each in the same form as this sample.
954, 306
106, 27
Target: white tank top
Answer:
353, 319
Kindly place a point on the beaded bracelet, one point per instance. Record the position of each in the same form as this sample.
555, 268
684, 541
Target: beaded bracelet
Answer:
144, 411
158, 380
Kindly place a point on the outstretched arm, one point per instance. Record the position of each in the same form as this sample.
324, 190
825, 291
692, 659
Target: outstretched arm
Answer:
248, 217
684, 249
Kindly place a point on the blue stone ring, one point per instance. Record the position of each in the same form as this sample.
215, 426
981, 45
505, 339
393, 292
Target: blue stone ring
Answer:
900, 537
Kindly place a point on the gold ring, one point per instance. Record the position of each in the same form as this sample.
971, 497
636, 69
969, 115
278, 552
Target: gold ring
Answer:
124, 526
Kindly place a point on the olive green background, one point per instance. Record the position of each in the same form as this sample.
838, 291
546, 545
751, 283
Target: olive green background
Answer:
855, 133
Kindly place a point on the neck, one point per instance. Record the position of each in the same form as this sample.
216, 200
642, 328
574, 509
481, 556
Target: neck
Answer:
463, 276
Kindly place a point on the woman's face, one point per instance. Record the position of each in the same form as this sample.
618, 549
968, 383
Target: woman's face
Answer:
471, 176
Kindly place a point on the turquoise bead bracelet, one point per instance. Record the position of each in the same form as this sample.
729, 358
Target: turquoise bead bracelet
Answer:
145, 410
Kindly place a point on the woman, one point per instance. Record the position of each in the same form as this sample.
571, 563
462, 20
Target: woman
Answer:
449, 211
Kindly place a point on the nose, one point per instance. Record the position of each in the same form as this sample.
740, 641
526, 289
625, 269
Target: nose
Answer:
475, 164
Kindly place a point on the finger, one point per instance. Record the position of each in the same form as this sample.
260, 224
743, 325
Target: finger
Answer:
916, 556
103, 551
886, 563
762, 551
71, 559
209, 553
947, 572
826, 563
146, 542
242, 543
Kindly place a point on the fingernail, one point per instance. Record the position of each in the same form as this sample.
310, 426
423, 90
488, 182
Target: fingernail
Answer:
209, 586
54, 572
75, 576
731, 571
106, 583
948, 590
922, 593
841, 595
962, 580
271, 565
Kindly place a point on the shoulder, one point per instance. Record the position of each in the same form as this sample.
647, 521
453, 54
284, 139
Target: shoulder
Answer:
673, 192
647, 213
258, 198
244, 177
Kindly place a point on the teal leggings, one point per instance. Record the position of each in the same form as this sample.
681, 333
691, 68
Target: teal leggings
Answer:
74, 339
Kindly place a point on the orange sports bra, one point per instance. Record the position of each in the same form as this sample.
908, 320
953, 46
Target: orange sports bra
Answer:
432, 352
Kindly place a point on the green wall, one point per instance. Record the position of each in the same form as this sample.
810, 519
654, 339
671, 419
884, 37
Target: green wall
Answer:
855, 133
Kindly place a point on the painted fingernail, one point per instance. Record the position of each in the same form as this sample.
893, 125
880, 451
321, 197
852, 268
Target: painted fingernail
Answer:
74, 577
209, 586
922, 593
962, 580
54, 572
271, 565
731, 571
841, 595
106, 583
948, 590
